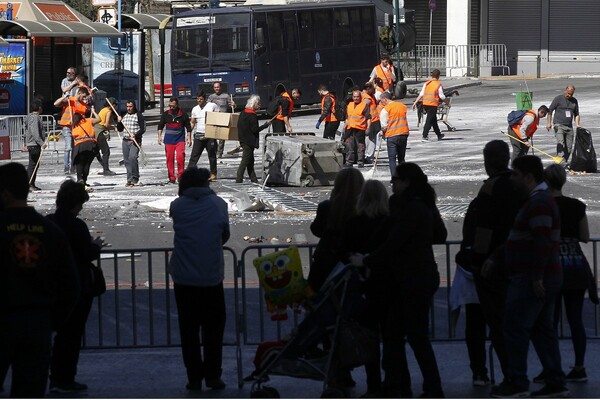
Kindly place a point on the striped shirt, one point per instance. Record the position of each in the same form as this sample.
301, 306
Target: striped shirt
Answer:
533, 244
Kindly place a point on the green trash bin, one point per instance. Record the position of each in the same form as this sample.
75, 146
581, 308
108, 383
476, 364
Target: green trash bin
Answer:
524, 100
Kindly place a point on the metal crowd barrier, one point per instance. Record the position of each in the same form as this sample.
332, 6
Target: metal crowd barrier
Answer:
473, 59
139, 310
16, 129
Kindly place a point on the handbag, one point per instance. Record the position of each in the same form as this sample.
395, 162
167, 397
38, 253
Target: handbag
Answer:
98, 281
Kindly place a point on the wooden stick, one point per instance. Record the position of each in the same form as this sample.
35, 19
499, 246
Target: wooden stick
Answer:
142, 152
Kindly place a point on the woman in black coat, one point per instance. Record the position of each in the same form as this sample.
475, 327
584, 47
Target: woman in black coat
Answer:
408, 252
248, 135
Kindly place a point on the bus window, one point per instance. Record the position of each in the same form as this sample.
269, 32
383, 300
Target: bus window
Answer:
342, 28
230, 40
368, 30
322, 20
290, 35
191, 47
307, 28
355, 26
275, 31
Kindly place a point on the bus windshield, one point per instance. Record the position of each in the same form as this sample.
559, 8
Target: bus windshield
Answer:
218, 41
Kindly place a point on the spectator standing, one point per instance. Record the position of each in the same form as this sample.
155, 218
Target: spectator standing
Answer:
85, 145
133, 126
385, 72
67, 343
281, 123
395, 129
177, 133
532, 260
577, 275
497, 205
225, 103
521, 132
328, 102
562, 111
201, 142
38, 285
408, 252
35, 140
200, 221
358, 121
371, 134
70, 83
372, 216
102, 131
249, 137
432, 94
70, 106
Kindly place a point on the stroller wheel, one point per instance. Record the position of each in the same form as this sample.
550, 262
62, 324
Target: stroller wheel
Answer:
265, 392
333, 393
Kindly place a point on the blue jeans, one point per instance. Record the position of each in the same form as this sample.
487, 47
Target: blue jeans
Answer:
67, 137
396, 147
529, 318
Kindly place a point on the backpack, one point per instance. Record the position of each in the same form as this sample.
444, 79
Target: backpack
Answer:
339, 111
514, 117
584, 155
273, 107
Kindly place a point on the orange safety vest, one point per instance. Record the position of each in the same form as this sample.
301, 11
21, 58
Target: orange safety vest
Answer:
431, 96
397, 123
279, 116
373, 110
67, 112
84, 132
530, 129
331, 117
355, 116
385, 78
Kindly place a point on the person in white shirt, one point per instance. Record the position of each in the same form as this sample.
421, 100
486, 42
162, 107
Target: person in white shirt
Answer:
198, 122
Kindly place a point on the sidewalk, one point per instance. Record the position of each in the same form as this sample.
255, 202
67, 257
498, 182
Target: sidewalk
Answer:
159, 373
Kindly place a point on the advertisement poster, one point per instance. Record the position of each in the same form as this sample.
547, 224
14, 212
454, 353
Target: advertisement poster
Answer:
4, 139
104, 78
13, 92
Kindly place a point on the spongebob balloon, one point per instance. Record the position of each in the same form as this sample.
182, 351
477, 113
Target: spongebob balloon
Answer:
280, 275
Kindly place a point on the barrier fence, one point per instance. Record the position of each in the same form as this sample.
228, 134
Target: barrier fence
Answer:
16, 128
455, 60
139, 310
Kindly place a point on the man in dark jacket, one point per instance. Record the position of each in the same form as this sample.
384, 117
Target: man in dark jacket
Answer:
248, 134
38, 285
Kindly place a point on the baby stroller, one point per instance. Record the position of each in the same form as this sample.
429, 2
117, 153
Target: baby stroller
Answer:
442, 111
331, 314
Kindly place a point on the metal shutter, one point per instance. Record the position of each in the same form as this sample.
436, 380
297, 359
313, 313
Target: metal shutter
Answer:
438, 31
573, 25
474, 22
516, 23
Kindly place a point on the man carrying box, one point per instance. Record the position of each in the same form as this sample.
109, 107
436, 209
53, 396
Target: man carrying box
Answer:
201, 142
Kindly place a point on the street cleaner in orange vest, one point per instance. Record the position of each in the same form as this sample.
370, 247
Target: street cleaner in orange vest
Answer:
368, 96
358, 120
286, 105
328, 103
85, 145
71, 105
432, 95
524, 130
394, 126
385, 72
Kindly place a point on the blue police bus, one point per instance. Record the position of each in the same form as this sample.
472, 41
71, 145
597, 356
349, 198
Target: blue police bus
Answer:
265, 49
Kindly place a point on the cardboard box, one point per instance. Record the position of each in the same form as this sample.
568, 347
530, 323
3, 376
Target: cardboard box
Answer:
221, 126
221, 132
222, 119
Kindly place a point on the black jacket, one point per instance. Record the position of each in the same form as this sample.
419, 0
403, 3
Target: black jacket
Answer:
248, 129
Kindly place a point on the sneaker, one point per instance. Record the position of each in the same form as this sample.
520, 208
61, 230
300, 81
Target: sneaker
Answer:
67, 170
481, 380
108, 172
348, 165
215, 384
238, 149
239, 181
541, 378
507, 390
172, 182
73, 387
441, 136
360, 164
121, 163
424, 139
212, 178
550, 392
33, 188
577, 374
129, 184
135, 181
